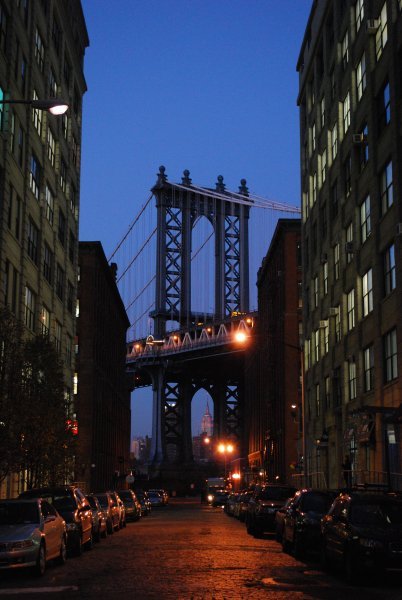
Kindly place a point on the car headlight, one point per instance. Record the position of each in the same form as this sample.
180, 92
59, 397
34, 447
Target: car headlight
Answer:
21, 545
369, 543
71, 526
210, 497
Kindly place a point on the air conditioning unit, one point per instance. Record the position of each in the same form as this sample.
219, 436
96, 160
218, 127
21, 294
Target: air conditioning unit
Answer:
399, 229
323, 324
324, 257
357, 138
349, 247
333, 311
372, 25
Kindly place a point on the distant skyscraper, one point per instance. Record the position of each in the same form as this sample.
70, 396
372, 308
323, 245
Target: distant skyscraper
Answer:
207, 423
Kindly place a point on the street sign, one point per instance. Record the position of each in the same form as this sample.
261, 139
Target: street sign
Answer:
130, 479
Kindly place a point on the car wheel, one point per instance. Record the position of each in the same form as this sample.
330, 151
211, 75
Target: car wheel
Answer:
298, 549
63, 552
40, 567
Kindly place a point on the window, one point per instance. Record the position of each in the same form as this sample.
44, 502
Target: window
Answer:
48, 264
336, 262
325, 331
63, 175
323, 166
314, 188
71, 247
386, 188
325, 277
70, 297
322, 112
345, 51
315, 292
313, 138
30, 302
32, 241
334, 141
52, 84
51, 147
368, 365
364, 148
37, 115
365, 219
57, 336
351, 309
34, 176
346, 113
349, 243
45, 321
390, 356
49, 198
316, 345
352, 380
59, 282
381, 37
367, 292
64, 125
384, 106
39, 51
389, 269
62, 228
361, 76
317, 400
3, 29
359, 13
347, 175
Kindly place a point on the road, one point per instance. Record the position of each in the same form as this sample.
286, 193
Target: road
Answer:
187, 551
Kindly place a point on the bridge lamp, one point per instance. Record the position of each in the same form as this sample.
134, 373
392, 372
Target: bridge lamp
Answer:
236, 476
56, 106
240, 337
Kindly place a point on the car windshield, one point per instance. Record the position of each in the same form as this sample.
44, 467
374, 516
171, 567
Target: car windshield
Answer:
377, 514
103, 500
63, 502
275, 493
18, 513
319, 503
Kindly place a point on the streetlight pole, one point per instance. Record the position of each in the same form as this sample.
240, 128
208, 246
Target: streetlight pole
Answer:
56, 106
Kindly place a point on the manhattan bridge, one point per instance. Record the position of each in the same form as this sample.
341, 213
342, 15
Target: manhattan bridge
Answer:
184, 277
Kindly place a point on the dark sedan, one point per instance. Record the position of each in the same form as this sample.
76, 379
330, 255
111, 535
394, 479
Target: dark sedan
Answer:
362, 533
262, 507
302, 520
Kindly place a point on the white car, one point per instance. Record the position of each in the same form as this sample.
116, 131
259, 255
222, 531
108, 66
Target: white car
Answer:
31, 533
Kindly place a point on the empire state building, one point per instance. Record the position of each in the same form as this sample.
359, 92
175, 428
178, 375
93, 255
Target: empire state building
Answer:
207, 423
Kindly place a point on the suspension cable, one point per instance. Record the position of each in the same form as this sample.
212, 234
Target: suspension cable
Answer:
131, 227
137, 255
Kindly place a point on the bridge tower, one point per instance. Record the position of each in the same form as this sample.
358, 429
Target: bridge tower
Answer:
178, 208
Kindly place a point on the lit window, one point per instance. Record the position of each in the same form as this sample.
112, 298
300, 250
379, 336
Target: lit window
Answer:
361, 76
338, 324
352, 380
368, 363
45, 321
49, 204
381, 37
367, 292
351, 309
349, 243
336, 262
325, 277
37, 116
313, 138
334, 141
346, 113
345, 50
323, 166
30, 304
51, 147
359, 13
34, 176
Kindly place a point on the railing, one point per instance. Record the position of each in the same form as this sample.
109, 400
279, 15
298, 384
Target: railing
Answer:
316, 479
364, 480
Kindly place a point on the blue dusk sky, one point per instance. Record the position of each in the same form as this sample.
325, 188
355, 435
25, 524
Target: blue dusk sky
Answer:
204, 85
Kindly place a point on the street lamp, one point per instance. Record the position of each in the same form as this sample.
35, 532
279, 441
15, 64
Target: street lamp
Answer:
225, 449
56, 106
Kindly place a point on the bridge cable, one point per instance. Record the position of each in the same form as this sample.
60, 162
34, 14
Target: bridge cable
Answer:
131, 227
137, 255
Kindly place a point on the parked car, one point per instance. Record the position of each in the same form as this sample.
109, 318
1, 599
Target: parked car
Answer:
144, 501
99, 527
242, 505
362, 533
302, 520
155, 498
111, 510
163, 493
121, 508
262, 507
279, 519
231, 502
75, 509
219, 498
31, 533
131, 504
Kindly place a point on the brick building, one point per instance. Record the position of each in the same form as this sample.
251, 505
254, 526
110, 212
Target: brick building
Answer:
103, 395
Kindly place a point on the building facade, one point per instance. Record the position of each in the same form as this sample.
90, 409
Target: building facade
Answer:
103, 394
273, 368
42, 47
350, 100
